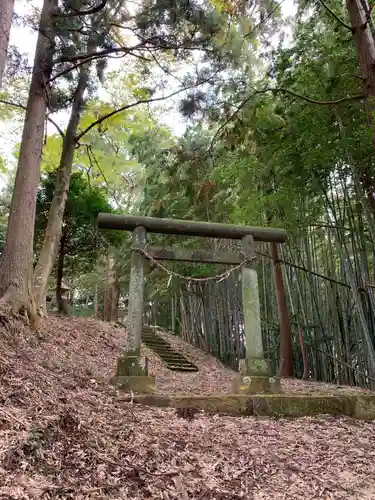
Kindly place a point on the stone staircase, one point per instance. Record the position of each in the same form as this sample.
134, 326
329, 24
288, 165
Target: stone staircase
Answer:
173, 360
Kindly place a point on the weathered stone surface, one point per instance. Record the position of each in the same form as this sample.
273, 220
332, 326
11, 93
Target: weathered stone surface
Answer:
216, 403
272, 405
141, 384
363, 407
251, 308
276, 387
128, 365
253, 366
135, 308
298, 405
256, 385
255, 362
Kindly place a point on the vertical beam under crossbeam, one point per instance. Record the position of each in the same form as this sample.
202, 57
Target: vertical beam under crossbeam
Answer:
255, 362
130, 374
136, 290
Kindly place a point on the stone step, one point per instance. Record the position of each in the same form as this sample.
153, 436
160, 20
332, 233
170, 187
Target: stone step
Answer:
172, 355
163, 348
176, 362
186, 368
152, 338
172, 359
156, 344
182, 368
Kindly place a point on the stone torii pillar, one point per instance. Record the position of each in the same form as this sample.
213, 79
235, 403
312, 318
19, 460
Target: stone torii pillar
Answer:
130, 374
254, 372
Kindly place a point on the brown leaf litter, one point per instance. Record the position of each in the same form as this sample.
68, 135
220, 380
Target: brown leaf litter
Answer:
65, 435
214, 377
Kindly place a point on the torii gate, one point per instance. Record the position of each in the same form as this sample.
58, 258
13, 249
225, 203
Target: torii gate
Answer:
254, 370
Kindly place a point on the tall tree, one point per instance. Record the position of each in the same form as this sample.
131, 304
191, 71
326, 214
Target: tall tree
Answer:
50, 246
17, 259
360, 18
6, 13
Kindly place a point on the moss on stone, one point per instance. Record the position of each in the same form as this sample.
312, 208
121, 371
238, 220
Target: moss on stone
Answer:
128, 365
363, 406
256, 385
221, 403
153, 400
273, 405
298, 405
141, 384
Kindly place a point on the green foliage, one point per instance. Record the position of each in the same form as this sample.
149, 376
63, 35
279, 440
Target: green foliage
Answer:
254, 151
271, 159
83, 243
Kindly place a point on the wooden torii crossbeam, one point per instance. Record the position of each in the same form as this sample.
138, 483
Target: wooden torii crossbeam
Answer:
254, 372
190, 228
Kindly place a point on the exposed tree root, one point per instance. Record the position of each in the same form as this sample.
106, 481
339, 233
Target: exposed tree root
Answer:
18, 307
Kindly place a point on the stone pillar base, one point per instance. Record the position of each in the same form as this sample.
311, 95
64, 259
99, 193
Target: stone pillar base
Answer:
255, 384
128, 364
254, 378
254, 366
130, 375
140, 383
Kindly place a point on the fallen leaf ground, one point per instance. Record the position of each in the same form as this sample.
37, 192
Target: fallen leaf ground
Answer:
65, 435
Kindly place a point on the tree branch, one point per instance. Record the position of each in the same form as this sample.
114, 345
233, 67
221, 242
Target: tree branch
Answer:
124, 108
95, 55
263, 21
13, 104
137, 103
76, 13
147, 44
84, 61
56, 126
281, 91
350, 28
92, 157
21, 106
80, 63
229, 120
165, 70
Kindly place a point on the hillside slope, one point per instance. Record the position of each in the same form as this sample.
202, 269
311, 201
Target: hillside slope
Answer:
65, 435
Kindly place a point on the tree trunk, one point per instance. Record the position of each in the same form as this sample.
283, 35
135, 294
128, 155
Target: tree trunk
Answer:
52, 236
17, 260
173, 313
286, 350
62, 302
6, 12
364, 42
365, 47
111, 292
95, 301
305, 356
